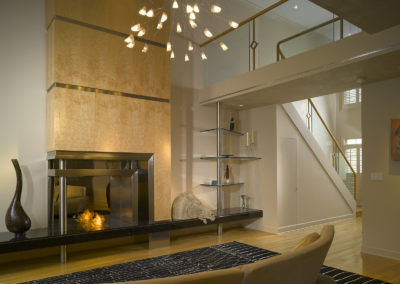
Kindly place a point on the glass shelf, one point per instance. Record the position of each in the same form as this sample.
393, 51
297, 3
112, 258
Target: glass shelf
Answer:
229, 157
223, 185
225, 131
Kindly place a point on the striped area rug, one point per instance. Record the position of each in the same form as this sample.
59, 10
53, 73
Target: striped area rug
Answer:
204, 259
342, 277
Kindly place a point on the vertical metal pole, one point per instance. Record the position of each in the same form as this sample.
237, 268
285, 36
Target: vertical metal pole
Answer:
254, 50
219, 178
63, 212
341, 28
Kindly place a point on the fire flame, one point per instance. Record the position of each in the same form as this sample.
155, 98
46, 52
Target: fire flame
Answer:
91, 221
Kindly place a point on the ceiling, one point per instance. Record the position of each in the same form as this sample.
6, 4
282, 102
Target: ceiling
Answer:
370, 15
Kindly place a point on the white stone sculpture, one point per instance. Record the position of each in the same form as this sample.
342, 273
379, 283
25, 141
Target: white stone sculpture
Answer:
188, 206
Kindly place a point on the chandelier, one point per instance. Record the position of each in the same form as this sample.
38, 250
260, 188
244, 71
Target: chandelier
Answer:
184, 15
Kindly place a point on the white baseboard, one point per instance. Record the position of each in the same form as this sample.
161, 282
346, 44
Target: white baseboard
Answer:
294, 227
260, 227
381, 252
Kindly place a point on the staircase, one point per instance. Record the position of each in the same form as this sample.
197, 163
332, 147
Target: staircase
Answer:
330, 155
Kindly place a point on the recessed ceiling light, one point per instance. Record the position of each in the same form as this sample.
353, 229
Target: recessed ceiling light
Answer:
135, 28
207, 33
241, 105
296, 7
215, 9
143, 11
169, 46
233, 24
150, 13
178, 28
223, 46
164, 17
193, 24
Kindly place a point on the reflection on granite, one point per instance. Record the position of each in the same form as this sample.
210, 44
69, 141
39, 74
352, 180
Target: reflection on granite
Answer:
39, 238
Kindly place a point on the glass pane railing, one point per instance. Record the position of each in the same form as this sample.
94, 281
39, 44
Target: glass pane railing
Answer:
221, 64
302, 25
284, 21
328, 143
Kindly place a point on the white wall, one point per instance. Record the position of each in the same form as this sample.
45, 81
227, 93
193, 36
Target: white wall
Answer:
348, 125
306, 193
23, 106
188, 118
260, 176
381, 199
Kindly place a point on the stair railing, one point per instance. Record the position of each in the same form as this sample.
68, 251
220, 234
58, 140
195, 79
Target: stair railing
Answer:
279, 54
337, 150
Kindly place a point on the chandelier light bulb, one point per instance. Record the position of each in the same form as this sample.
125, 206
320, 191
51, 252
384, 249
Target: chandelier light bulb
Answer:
141, 32
193, 24
150, 13
233, 24
186, 57
190, 46
143, 11
129, 39
203, 56
130, 45
216, 9
169, 47
159, 26
164, 17
223, 46
135, 28
207, 33
189, 9
172, 55
192, 16
175, 5
145, 48
196, 8
178, 28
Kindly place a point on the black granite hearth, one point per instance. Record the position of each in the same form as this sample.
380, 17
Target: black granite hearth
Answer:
40, 238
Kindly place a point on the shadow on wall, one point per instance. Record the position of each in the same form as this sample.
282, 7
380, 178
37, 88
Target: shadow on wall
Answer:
35, 189
181, 139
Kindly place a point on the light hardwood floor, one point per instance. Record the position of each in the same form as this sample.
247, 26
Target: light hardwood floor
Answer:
344, 253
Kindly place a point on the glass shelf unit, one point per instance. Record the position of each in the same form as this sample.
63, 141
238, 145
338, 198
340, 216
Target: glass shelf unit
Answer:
224, 130
229, 157
223, 185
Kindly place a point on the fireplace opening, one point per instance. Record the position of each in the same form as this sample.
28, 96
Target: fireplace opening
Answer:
91, 191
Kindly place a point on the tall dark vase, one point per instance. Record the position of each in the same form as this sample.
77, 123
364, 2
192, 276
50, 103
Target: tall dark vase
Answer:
17, 221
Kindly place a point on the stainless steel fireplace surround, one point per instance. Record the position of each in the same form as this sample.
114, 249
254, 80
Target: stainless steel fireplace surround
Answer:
127, 189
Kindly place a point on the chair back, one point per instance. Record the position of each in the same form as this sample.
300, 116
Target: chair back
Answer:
300, 266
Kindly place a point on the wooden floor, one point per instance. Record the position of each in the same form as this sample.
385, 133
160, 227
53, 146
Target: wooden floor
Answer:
344, 253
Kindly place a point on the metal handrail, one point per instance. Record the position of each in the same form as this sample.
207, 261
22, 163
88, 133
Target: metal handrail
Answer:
338, 146
273, 6
279, 53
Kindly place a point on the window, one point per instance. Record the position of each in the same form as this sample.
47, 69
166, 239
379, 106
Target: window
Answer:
353, 152
352, 96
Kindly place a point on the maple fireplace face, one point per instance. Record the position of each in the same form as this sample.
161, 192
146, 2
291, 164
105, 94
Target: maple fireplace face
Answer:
90, 191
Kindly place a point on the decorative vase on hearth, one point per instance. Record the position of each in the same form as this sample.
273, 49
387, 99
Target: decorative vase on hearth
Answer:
17, 221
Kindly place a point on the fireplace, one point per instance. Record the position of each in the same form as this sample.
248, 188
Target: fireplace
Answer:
91, 191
